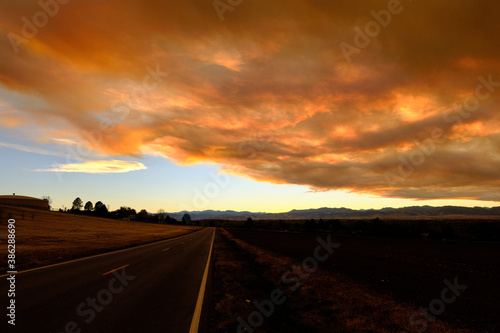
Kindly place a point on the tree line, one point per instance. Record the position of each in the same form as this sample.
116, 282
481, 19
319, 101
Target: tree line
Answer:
124, 213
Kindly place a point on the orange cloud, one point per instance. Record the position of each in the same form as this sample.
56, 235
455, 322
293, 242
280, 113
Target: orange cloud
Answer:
268, 93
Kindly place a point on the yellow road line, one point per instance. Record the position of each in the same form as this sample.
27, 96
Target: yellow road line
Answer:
195, 323
116, 269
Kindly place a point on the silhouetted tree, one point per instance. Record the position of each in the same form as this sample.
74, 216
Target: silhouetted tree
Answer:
249, 223
186, 219
100, 209
170, 220
125, 213
88, 206
143, 216
77, 204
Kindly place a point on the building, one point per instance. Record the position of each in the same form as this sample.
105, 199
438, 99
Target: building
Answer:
23, 201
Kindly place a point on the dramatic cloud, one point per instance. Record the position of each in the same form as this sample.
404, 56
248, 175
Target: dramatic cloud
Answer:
113, 166
397, 99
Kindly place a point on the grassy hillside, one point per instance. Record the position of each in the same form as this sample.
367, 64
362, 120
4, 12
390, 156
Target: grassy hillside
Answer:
44, 237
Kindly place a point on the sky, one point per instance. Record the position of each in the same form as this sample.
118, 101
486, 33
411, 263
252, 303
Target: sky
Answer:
251, 105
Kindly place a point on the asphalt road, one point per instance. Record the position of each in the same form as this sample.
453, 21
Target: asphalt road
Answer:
151, 288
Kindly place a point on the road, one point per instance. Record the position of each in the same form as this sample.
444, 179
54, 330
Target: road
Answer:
150, 288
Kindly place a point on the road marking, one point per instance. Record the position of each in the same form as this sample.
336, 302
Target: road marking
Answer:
115, 269
103, 254
195, 323
166, 249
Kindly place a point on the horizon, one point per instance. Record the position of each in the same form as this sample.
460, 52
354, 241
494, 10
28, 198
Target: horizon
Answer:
305, 209
354, 206
265, 107
52, 208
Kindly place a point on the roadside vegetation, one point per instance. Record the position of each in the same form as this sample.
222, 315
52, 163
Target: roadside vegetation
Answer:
324, 302
100, 209
45, 237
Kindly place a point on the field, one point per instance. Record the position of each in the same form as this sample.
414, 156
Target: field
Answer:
44, 237
397, 275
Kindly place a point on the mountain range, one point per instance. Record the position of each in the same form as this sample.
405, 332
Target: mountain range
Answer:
335, 213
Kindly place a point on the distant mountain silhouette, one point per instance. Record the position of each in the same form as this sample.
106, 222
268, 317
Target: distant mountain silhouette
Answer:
334, 213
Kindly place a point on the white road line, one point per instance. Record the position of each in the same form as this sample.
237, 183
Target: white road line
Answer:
195, 323
102, 254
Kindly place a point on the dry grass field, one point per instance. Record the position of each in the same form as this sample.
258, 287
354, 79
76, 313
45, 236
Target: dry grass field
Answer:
44, 237
408, 271
325, 302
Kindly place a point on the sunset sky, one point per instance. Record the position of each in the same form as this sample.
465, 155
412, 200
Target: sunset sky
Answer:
251, 105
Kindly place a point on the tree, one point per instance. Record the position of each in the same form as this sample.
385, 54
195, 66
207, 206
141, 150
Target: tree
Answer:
170, 220
125, 213
161, 215
100, 209
77, 204
48, 199
88, 206
249, 223
186, 219
143, 216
